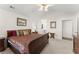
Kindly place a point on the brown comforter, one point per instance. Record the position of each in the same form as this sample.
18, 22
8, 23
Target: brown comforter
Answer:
22, 42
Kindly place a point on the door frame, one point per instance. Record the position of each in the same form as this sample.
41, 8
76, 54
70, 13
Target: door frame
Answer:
62, 29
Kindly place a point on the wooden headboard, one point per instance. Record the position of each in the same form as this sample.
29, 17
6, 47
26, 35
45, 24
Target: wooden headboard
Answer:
14, 32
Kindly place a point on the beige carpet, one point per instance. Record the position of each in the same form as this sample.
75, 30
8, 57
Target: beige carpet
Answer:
58, 47
54, 47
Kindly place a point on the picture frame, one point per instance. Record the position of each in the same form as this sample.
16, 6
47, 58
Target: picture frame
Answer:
21, 22
53, 24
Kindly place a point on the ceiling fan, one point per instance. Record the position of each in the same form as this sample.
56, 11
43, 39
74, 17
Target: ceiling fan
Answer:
44, 7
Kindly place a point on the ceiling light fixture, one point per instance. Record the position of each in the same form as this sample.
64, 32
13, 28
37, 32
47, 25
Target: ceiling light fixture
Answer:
44, 7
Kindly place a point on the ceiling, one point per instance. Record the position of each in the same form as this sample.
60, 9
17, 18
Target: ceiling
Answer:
27, 9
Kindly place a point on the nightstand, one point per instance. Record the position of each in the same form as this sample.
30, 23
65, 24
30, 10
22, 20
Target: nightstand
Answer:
2, 44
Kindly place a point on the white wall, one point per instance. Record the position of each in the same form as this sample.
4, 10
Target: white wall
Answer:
77, 17
59, 26
55, 16
78, 25
58, 29
8, 21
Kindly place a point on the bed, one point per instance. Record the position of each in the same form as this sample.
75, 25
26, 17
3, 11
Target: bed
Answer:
32, 43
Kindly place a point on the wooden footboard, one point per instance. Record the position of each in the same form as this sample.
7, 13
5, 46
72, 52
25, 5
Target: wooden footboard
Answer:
36, 46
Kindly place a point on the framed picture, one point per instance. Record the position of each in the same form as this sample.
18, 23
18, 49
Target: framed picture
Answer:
53, 24
21, 22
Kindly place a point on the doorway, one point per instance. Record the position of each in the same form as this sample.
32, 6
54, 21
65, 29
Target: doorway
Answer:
67, 29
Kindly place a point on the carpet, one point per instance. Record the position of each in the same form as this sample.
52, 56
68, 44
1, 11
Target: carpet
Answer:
54, 46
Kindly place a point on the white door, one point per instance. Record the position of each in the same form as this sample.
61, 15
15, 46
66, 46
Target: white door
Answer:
67, 29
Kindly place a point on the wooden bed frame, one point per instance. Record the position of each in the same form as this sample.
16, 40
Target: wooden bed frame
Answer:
35, 47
